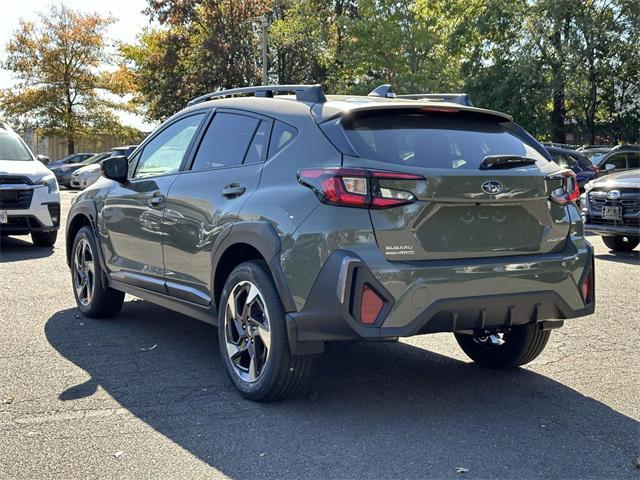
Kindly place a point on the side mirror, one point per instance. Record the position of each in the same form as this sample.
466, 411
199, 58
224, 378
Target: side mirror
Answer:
115, 168
610, 167
42, 158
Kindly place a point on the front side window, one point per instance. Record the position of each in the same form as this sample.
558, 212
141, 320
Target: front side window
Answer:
12, 148
633, 160
163, 155
619, 160
226, 141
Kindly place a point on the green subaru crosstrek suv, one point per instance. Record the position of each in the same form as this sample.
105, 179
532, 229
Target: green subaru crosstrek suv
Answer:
290, 219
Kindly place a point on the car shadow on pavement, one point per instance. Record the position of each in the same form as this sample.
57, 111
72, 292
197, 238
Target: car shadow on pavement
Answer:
16, 249
368, 411
631, 258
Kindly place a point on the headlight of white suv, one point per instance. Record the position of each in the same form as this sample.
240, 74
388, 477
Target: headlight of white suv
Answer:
50, 182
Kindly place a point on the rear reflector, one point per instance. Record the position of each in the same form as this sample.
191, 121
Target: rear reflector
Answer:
586, 287
370, 305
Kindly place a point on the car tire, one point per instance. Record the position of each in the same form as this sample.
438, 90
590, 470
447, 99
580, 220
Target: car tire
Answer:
93, 298
621, 244
253, 337
44, 239
519, 346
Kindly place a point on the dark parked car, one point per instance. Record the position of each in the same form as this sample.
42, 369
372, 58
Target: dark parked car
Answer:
622, 157
611, 208
123, 151
585, 171
63, 172
293, 221
73, 158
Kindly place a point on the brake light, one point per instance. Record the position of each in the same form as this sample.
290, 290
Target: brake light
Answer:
568, 191
352, 187
370, 305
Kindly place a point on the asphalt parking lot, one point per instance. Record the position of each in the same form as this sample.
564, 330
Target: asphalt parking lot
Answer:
145, 395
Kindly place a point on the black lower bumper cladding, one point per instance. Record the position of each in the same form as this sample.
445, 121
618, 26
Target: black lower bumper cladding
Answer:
328, 317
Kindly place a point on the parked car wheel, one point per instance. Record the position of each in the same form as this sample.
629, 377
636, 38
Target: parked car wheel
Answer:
44, 239
518, 346
253, 337
620, 243
92, 297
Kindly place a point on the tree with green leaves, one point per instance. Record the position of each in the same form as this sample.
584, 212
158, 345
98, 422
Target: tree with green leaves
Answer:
62, 84
200, 46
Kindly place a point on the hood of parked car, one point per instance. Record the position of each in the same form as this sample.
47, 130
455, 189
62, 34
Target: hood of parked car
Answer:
87, 169
29, 168
626, 179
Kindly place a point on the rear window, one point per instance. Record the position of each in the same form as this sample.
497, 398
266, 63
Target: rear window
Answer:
11, 148
433, 141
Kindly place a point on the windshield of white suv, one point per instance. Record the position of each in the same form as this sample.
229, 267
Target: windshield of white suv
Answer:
11, 148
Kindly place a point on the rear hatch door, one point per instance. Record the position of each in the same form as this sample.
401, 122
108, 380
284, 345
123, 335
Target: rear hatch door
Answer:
469, 204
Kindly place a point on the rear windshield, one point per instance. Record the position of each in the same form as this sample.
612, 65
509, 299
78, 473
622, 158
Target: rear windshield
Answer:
11, 148
455, 141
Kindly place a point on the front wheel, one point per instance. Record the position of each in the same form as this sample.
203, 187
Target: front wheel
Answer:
44, 239
92, 297
520, 345
620, 243
253, 338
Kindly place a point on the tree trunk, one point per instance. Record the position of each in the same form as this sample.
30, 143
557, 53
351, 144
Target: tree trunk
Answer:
557, 116
71, 146
591, 110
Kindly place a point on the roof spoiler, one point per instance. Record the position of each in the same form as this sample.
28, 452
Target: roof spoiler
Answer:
304, 93
385, 91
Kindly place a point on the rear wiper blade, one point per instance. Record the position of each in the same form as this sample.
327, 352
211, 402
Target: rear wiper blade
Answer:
505, 161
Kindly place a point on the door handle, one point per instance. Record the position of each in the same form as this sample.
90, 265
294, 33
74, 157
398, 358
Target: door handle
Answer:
156, 199
233, 190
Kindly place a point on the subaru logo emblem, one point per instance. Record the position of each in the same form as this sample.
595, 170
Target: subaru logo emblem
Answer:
613, 194
492, 187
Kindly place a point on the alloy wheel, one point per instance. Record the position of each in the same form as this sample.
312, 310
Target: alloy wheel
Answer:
83, 272
247, 331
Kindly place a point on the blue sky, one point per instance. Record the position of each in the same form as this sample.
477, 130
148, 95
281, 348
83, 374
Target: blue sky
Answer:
129, 22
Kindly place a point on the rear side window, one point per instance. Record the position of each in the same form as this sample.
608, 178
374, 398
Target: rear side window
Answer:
455, 141
11, 148
226, 141
281, 136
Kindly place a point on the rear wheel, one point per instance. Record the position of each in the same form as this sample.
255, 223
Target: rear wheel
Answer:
44, 239
518, 346
253, 337
620, 243
92, 297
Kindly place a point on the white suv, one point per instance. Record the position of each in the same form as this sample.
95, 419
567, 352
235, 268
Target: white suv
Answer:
29, 196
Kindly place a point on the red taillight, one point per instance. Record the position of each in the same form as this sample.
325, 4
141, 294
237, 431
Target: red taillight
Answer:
357, 188
568, 191
370, 305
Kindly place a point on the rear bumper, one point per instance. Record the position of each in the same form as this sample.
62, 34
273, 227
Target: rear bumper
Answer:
434, 296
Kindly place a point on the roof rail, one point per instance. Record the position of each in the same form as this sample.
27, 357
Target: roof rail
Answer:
304, 93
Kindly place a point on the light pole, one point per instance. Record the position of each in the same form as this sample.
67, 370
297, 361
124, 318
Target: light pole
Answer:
265, 51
